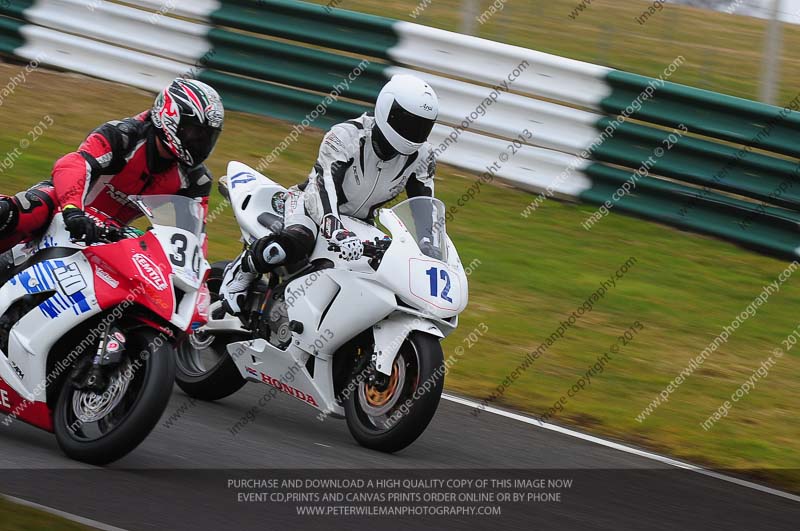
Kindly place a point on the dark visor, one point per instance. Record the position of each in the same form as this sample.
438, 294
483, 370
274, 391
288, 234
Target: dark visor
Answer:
199, 141
408, 125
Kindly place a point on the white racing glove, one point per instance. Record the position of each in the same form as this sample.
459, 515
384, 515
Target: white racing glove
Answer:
350, 246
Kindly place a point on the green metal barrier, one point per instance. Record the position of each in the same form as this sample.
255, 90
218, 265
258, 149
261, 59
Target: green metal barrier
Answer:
10, 36
15, 8
765, 229
310, 23
294, 65
709, 113
705, 163
248, 95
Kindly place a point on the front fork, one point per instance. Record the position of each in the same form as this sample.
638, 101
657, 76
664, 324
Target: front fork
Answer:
94, 375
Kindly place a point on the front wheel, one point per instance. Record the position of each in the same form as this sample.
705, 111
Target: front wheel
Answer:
99, 429
389, 415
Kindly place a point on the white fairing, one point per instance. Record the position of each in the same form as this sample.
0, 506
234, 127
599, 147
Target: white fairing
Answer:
251, 194
410, 274
409, 292
73, 303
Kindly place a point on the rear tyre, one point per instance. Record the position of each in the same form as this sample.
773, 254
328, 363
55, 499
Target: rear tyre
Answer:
101, 429
392, 417
205, 370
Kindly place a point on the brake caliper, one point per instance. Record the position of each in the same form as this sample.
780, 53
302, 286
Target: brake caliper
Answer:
95, 376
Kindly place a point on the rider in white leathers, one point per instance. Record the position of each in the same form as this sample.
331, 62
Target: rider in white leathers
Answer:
363, 164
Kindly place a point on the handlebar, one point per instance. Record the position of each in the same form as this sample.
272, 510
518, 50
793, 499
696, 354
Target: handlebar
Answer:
109, 234
373, 249
377, 249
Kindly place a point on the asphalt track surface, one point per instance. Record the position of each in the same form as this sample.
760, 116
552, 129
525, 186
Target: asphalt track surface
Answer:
178, 479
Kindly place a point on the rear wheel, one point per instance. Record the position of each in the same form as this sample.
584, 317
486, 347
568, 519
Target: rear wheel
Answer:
205, 369
99, 429
390, 416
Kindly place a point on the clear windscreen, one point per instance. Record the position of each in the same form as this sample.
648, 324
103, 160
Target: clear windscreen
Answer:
424, 217
172, 211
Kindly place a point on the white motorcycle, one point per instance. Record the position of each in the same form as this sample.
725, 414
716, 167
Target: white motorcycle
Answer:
358, 340
87, 333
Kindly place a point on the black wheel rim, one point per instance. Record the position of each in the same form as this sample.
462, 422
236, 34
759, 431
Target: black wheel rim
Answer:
89, 417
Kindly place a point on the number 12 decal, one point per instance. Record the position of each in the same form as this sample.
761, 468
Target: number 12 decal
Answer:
443, 275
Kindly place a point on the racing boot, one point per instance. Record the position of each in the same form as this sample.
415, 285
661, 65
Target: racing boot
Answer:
243, 272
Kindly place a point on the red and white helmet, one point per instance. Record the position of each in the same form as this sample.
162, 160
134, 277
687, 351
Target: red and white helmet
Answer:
189, 116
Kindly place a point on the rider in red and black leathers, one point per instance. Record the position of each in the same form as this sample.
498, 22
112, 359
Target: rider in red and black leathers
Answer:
160, 151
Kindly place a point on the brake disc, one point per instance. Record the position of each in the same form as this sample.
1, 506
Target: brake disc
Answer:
89, 406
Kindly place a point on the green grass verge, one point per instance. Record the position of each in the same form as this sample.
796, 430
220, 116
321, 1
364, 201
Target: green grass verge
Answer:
723, 52
15, 517
533, 273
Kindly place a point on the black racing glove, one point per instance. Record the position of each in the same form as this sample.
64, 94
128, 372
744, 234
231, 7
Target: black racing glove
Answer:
80, 226
264, 255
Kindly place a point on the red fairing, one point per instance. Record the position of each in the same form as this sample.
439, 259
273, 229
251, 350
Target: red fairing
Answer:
133, 270
35, 413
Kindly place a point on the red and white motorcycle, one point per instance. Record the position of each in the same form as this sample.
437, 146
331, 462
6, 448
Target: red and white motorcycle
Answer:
87, 333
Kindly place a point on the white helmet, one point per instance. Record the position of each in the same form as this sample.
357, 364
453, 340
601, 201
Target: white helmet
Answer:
405, 112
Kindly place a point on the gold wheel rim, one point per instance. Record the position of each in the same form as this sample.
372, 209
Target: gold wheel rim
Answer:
377, 398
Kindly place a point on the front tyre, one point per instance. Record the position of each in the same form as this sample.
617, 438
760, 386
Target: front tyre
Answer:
391, 415
101, 429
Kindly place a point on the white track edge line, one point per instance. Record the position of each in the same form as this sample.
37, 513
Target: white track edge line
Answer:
67, 516
621, 447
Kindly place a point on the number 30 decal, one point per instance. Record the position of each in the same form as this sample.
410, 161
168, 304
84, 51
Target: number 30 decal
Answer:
435, 275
